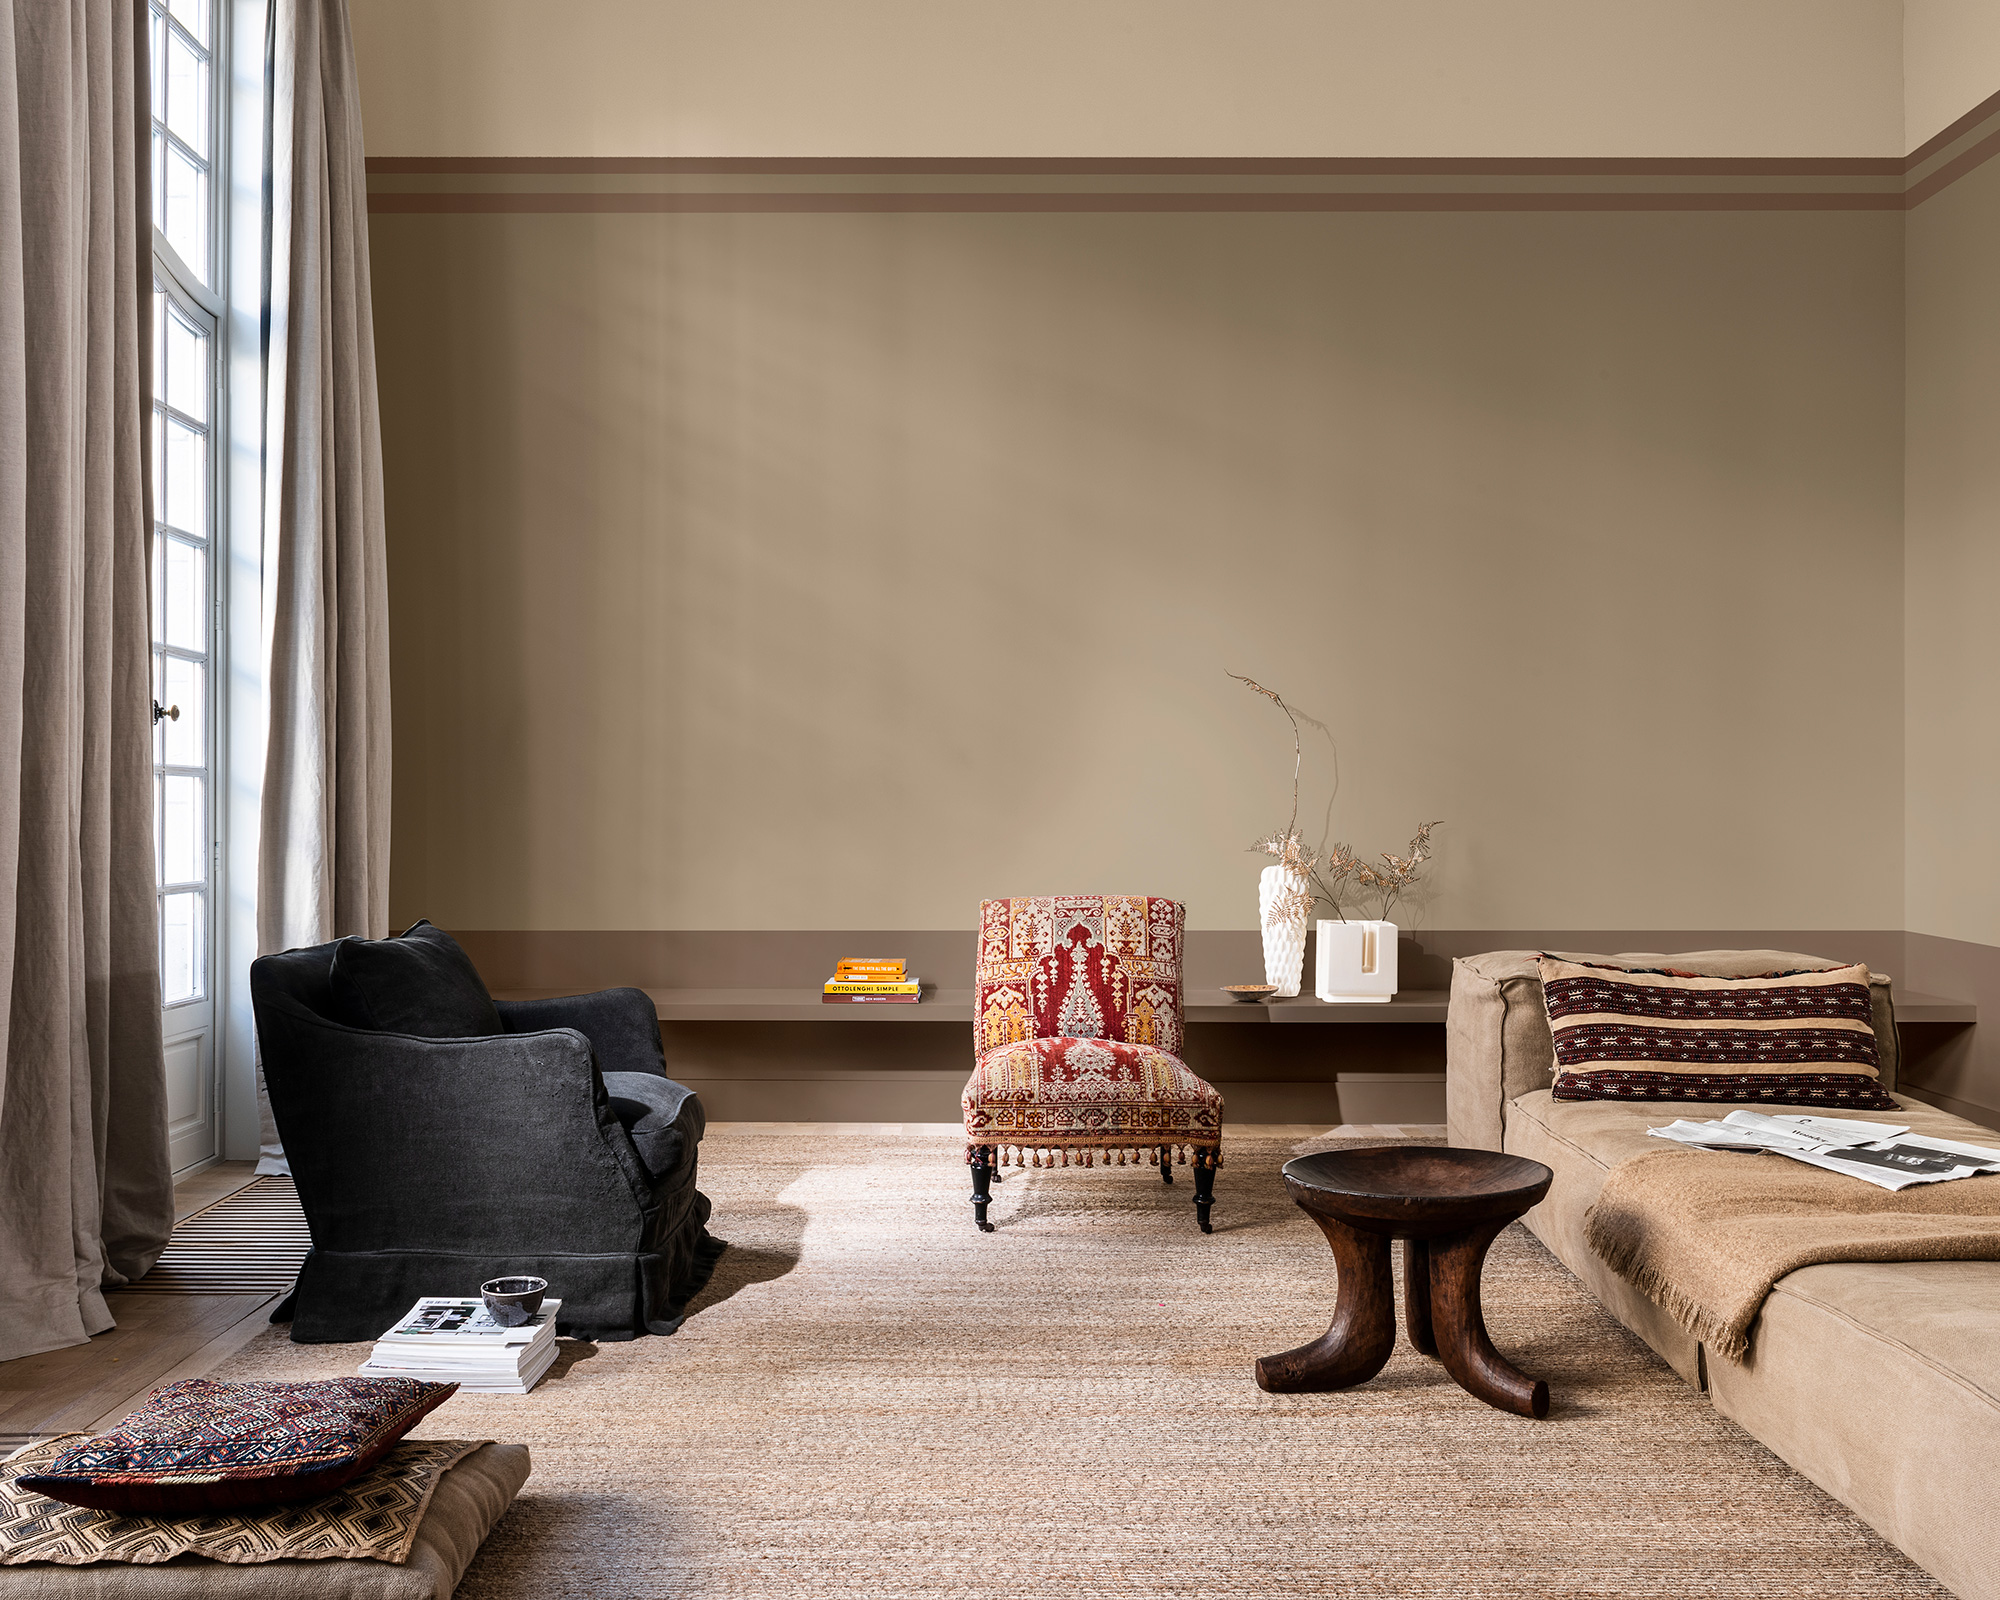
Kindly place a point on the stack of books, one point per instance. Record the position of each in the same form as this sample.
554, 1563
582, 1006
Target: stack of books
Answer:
876, 981
457, 1341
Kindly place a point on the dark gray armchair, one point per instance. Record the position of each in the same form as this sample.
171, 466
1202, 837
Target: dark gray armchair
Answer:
557, 1148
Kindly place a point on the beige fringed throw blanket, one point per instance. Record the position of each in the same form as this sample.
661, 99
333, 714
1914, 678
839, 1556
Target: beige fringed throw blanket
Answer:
1705, 1235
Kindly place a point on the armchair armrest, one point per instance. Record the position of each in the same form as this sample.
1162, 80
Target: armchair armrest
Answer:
622, 1025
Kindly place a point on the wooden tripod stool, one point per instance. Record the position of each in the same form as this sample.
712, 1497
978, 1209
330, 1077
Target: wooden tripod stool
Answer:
1447, 1206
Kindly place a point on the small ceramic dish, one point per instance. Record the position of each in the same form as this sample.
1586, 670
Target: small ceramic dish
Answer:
511, 1301
1250, 991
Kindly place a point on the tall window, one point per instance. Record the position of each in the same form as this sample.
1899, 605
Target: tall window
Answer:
187, 412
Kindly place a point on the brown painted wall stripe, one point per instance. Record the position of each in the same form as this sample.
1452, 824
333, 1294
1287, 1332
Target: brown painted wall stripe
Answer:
1125, 202
1953, 170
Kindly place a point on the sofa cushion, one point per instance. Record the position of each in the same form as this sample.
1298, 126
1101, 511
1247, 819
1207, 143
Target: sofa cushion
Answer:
1905, 1352
1497, 1042
1785, 1038
203, 1446
649, 1107
418, 983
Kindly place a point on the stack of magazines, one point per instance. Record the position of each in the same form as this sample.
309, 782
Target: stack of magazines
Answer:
457, 1341
1885, 1154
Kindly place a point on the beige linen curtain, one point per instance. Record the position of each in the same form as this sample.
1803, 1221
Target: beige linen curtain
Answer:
86, 1196
323, 867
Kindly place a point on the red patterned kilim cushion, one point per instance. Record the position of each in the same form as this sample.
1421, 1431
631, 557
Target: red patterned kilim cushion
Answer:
1062, 1094
207, 1446
1783, 1038
1078, 1027
1079, 967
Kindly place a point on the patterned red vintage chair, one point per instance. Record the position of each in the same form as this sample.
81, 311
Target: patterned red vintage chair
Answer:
1077, 1030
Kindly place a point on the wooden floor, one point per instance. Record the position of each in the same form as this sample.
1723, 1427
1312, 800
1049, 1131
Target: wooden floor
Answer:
160, 1338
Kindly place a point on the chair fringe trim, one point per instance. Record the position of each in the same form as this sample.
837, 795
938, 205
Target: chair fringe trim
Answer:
1015, 1155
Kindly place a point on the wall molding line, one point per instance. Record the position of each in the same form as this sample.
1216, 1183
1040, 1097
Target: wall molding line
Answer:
642, 185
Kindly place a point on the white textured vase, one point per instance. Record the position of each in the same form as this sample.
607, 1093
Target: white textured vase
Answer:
1284, 934
1356, 962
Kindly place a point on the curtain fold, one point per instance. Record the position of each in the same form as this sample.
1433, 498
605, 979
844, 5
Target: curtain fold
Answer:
86, 1193
323, 855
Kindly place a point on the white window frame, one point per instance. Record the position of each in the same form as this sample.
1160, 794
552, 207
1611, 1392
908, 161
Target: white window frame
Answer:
234, 306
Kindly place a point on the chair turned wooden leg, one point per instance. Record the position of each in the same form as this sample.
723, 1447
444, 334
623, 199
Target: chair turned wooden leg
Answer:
1417, 1296
1463, 1345
1166, 1165
1357, 1342
982, 1175
1204, 1187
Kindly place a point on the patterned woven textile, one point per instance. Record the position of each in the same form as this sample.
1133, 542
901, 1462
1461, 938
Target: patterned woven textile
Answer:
1077, 1032
373, 1518
1060, 1095
1785, 1038
204, 1446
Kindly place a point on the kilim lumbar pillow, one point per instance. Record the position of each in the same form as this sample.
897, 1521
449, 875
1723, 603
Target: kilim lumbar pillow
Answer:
1784, 1038
202, 1446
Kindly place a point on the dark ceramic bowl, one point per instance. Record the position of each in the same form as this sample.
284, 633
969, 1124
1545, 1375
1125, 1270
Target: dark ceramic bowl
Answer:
1250, 991
511, 1301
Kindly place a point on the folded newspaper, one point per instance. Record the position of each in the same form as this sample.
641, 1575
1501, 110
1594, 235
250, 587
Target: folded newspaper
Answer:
1885, 1154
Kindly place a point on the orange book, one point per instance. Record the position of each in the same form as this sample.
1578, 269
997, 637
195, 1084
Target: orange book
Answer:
858, 967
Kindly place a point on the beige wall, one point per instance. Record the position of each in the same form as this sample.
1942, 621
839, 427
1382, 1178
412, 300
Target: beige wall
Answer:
1145, 77
836, 570
1952, 562
1951, 62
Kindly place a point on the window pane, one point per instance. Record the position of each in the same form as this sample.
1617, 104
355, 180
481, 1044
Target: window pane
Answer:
159, 689
187, 368
159, 339
186, 745
193, 16
187, 101
159, 586
159, 181
181, 953
183, 830
187, 478
156, 64
186, 603
186, 224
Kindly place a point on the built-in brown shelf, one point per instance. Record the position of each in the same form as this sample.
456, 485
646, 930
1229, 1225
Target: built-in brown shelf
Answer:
955, 1005
1913, 1005
1414, 1006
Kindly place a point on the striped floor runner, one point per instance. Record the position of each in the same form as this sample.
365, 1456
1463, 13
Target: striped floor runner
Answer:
250, 1242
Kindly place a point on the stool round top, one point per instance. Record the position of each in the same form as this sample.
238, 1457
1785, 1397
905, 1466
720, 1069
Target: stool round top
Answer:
1414, 1188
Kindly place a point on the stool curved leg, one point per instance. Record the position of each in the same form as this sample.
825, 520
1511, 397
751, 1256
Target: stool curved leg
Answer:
1463, 1345
1417, 1296
1357, 1342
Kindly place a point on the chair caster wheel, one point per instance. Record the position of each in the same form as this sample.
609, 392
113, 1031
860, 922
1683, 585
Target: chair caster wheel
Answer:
985, 1227
1207, 1226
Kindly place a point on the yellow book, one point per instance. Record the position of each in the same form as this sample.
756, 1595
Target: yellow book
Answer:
840, 985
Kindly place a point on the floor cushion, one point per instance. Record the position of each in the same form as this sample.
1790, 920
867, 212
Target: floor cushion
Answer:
200, 1446
468, 1501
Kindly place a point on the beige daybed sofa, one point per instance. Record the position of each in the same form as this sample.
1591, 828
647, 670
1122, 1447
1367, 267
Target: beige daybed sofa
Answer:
1878, 1381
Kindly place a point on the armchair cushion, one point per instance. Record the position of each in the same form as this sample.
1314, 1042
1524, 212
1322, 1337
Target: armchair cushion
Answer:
1051, 1093
418, 983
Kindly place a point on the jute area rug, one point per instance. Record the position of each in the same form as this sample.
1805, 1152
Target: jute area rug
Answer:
872, 1398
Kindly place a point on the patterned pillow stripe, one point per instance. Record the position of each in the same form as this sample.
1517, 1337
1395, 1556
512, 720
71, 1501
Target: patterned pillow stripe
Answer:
1790, 1038
207, 1446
